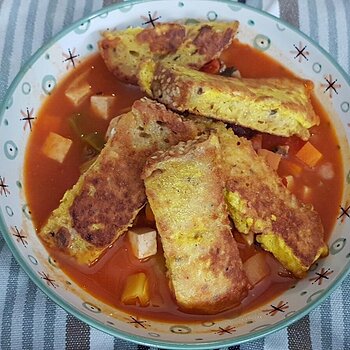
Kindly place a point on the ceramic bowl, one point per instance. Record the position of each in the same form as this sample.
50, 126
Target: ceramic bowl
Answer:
44, 71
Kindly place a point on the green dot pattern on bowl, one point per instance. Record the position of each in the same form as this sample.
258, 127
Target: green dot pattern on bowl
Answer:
180, 329
33, 260
26, 88
337, 246
90, 307
262, 42
48, 84
212, 16
9, 211
345, 106
10, 150
26, 211
317, 67
82, 27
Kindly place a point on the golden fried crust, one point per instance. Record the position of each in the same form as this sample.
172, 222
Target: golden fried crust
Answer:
278, 106
260, 203
192, 45
108, 196
185, 189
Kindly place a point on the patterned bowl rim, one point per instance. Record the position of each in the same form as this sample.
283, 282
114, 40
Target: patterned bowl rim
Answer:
125, 335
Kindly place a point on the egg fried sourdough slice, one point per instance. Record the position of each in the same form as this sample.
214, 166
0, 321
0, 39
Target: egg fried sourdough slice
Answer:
192, 45
108, 196
259, 202
278, 106
185, 189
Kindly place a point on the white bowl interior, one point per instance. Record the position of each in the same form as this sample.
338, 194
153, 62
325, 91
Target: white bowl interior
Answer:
35, 82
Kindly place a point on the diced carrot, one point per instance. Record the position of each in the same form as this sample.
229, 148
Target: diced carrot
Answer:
292, 168
271, 158
256, 268
56, 147
309, 154
149, 214
136, 290
212, 67
257, 142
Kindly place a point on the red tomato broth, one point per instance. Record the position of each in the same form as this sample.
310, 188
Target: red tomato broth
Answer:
105, 280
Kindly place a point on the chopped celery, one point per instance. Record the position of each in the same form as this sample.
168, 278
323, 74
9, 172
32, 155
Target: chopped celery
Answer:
93, 139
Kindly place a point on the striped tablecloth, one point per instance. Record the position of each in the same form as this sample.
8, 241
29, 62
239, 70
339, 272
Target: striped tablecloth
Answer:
29, 320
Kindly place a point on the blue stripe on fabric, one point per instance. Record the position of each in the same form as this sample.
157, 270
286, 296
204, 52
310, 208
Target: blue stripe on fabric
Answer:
326, 325
69, 15
49, 326
2, 243
347, 30
255, 3
254, 345
332, 29
10, 297
29, 31
345, 289
88, 7
28, 314
313, 19
123, 344
50, 13
299, 335
8, 48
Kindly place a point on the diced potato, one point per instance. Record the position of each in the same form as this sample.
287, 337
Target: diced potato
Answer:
78, 90
256, 268
143, 242
136, 290
326, 171
56, 147
309, 154
289, 182
306, 193
271, 158
101, 105
249, 237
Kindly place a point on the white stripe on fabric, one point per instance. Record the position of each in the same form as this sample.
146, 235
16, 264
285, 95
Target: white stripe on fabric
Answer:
96, 5
323, 24
100, 340
271, 6
79, 10
315, 328
18, 41
337, 319
342, 39
60, 328
5, 10
277, 341
304, 22
39, 26
58, 20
